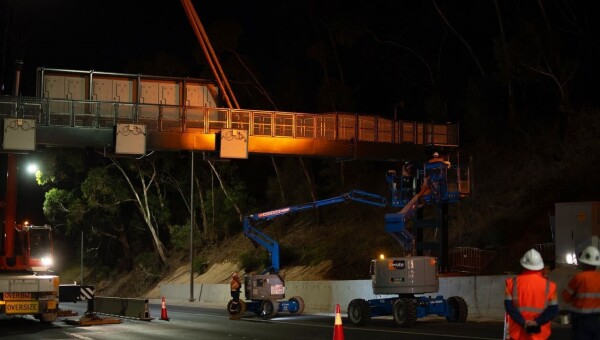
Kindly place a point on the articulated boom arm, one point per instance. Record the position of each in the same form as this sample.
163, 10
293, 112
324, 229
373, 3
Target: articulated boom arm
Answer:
395, 223
260, 238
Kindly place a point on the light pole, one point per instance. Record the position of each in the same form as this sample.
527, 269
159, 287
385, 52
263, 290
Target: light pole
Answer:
192, 230
81, 262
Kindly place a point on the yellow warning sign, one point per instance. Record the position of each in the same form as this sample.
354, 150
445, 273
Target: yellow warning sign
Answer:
581, 217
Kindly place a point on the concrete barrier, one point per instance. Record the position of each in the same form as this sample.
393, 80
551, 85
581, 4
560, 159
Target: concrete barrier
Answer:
123, 307
484, 295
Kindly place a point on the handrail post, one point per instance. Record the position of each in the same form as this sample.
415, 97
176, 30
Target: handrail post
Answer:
228, 119
205, 118
160, 117
183, 118
273, 125
97, 115
72, 115
250, 123
294, 124
356, 127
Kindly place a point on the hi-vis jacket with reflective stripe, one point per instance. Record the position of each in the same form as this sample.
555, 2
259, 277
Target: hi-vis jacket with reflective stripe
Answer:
583, 292
531, 293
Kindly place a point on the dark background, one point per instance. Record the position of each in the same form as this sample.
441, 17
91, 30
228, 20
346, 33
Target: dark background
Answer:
426, 59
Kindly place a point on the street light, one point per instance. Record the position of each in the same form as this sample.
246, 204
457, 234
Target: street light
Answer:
192, 228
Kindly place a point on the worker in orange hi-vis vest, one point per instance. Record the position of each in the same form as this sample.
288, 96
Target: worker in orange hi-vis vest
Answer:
236, 286
530, 300
583, 295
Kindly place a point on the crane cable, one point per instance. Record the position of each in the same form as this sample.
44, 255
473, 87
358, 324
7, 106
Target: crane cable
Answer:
210, 54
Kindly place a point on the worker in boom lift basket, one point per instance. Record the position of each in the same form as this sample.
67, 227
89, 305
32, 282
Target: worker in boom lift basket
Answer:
436, 158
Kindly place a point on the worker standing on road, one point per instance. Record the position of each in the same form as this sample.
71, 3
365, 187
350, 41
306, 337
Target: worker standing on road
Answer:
531, 300
236, 286
583, 295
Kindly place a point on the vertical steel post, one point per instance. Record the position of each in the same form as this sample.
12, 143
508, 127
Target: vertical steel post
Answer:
10, 217
11, 206
192, 229
81, 269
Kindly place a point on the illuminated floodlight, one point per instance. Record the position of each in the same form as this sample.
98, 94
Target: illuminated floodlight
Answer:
32, 168
47, 261
381, 256
571, 258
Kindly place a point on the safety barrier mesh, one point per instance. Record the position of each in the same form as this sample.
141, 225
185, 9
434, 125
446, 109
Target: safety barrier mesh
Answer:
547, 251
469, 259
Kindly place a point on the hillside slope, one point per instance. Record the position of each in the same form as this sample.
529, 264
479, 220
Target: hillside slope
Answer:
309, 251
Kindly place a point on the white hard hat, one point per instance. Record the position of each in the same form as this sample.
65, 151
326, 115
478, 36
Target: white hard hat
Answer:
590, 255
532, 260
435, 154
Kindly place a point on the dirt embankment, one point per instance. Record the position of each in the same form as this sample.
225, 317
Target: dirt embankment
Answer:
221, 273
221, 262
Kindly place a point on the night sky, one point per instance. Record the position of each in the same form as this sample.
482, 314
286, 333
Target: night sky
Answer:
419, 57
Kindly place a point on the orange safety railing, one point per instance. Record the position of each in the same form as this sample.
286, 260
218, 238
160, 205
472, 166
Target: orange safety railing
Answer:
163, 117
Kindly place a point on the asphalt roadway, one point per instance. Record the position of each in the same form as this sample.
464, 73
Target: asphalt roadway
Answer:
188, 321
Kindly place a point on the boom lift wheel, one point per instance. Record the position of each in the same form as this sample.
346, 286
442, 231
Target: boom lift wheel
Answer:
458, 309
405, 312
300, 302
359, 312
240, 310
268, 308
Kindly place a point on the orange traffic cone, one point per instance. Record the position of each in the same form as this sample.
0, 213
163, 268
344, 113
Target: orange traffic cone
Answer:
338, 331
163, 312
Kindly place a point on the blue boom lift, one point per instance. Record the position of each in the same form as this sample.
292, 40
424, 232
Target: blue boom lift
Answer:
264, 291
406, 277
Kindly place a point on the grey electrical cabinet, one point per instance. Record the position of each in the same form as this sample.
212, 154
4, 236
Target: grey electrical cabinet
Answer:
577, 225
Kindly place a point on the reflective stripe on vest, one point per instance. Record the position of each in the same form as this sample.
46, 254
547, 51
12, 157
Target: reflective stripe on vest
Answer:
515, 296
583, 293
587, 295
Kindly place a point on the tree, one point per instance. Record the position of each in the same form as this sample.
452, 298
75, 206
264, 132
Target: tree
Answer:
140, 187
103, 198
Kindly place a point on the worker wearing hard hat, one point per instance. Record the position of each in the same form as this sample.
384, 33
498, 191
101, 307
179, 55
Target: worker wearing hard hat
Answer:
408, 173
436, 158
530, 300
583, 295
236, 286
